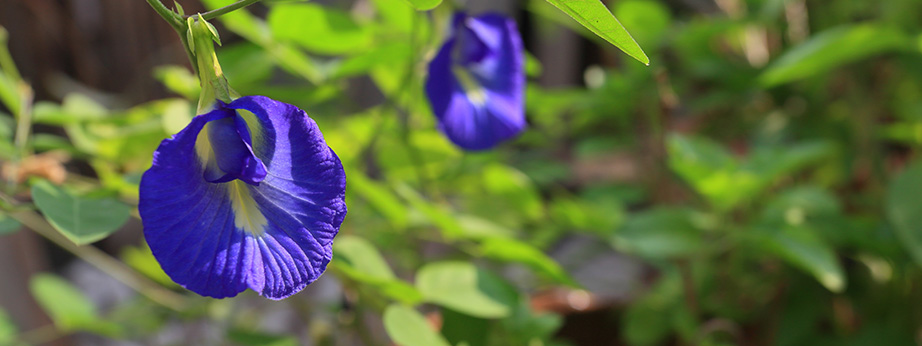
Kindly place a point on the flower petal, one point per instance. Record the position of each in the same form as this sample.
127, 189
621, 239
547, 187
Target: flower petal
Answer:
478, 94
274, 237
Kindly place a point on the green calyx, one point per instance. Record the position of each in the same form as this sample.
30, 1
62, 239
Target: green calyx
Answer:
201, 37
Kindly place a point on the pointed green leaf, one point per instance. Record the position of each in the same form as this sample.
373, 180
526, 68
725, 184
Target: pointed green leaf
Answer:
593, 15
803, 248
409, 328
511, 250
905, 211
83, 220
833, 48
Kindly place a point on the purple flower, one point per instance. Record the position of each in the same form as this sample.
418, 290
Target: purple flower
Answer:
476, 82
248, 195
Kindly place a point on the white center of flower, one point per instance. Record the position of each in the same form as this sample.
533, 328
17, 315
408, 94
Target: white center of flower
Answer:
472, 89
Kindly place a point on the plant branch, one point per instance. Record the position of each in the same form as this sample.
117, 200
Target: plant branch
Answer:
103, 261
226, 9
173, 18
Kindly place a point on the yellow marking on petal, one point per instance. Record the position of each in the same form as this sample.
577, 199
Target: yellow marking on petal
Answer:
246, 213
256, 129
203, 147
474, 91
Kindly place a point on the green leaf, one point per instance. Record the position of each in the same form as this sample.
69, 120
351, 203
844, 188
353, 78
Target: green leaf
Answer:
511, 250
465, 288
360, 260
83, 220
69, 309
461, 329
8, 330
361, 256
803, 248
905, 211
8, 225
660, 233
593, 15
381, 198
514, 189
424, 5
831, 49
727, 182
252, 338
406, 327
651, 18
75, 108
319, 29
179, 80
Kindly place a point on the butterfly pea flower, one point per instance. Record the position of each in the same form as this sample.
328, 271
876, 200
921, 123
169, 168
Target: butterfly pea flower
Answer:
248, 195
476, 82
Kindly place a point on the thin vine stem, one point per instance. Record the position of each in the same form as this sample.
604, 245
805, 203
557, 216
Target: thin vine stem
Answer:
103, 261
226, 9
173, 18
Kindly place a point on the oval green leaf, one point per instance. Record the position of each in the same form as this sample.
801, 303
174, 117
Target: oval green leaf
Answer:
82, 220
465, 288
409, 328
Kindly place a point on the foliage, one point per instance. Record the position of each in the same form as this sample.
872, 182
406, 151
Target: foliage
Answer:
763, 169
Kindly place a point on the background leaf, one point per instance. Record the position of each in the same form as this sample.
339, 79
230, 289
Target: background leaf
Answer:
905, 211
408, 328
463, 287
83, 220
833, 48
69, 308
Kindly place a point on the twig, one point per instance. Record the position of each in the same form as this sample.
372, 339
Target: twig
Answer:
229, 8
103, 261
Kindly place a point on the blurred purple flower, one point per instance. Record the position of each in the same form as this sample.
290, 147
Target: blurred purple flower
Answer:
248, 195
476, 82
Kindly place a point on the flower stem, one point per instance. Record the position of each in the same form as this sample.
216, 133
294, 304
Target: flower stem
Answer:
226, 9
103, 261
173, 18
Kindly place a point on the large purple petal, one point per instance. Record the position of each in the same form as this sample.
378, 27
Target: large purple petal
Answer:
217, 239
476, 82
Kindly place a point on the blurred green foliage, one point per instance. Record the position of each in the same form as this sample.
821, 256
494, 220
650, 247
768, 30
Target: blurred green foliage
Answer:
764, 167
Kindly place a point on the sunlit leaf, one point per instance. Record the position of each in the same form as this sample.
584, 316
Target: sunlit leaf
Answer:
595, 16
833, 48
363, 257
406, 327
319, 29
514, 189
463, 287
83, 220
